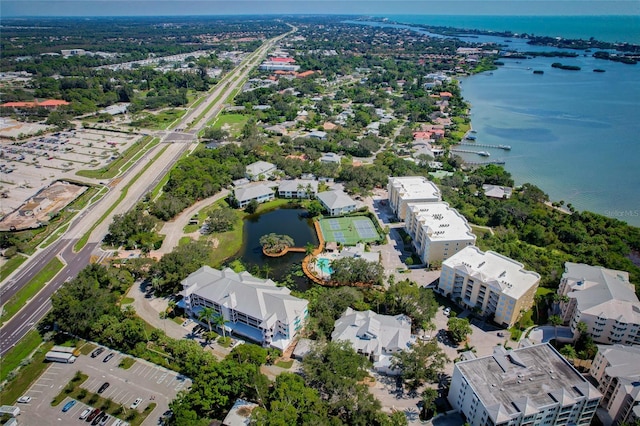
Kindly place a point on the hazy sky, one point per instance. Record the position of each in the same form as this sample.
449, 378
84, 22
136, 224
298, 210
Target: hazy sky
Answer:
10, 8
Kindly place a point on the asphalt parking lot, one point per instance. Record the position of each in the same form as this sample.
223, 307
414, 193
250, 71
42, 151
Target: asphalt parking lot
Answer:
28, 166
143, 380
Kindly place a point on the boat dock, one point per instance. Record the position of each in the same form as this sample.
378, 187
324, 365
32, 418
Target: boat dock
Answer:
468, 151
484, 145
484, 163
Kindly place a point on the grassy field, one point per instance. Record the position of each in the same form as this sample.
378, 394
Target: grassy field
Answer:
160, 121
14, 304
230, 242
28, 373
126, 363
23, 348
11, 265
345, 230
234, 121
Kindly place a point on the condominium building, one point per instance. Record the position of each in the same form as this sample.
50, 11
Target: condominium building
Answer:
617, 370
252, 307
410, 189
494, 285
529, 386
604, 300
437, 231
260, 170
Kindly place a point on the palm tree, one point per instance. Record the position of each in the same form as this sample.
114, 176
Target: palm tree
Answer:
428, 398
207, 314
171, 306
555, 320
266, 269
220, 322
309, 248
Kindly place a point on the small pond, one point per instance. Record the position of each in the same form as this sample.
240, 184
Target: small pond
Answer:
291, 222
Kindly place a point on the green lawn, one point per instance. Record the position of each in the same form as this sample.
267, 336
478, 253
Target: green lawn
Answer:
11, 265
284, 364
14, 304
23, 348
234, 121
126, 363
28, 373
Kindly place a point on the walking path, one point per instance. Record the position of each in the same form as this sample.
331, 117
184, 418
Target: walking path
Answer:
174, 229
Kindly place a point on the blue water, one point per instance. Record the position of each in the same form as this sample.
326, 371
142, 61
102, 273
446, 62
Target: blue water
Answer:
574, 134
324, 264
605, 28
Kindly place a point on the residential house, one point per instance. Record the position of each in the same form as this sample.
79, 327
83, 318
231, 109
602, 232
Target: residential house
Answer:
318, 134
330, 157
529, 386
252, 307
616, 368
240, 413
298, 188
376, 336
410, 189
604, 300
260, 170
437, 231
497, 191
494, 285
336, 202
256, 191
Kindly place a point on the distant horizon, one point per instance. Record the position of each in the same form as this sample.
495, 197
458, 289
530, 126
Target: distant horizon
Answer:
175, 8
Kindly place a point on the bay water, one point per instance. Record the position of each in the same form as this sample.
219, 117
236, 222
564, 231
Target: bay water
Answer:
574, 134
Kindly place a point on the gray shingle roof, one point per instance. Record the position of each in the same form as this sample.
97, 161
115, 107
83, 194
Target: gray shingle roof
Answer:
335, 199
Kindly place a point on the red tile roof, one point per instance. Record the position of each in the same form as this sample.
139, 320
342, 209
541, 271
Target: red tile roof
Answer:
284, 60
53, 102
305, 74
47, 103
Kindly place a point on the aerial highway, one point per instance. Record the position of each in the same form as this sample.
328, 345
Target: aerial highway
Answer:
176, 142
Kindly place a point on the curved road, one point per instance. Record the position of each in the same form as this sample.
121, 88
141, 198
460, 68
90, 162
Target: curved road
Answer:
36, 308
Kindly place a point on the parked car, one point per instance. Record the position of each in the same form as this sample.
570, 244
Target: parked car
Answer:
97, 352
85, 413
118, 422
24, 399
108, 357
500, 334
93, 415
68, 405
136, 403
98, 418
447, 311
104, 387
104, 420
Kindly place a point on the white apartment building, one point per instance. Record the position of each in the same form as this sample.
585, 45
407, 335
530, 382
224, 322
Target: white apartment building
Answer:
298, 188
604, 300
617, 370
252, 307
437, 230
410, 189
529, 386
260, 170
490, 282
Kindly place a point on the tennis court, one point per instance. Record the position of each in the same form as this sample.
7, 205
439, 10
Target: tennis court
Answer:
349, 230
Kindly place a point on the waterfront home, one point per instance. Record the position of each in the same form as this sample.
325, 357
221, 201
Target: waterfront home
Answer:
497, 191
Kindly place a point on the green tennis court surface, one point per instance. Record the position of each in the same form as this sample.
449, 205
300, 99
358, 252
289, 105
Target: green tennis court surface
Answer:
349, 230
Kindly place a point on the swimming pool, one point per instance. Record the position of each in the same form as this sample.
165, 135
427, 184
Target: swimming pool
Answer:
324, 265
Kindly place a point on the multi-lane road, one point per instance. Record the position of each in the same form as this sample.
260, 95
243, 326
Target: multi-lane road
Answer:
174, 144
